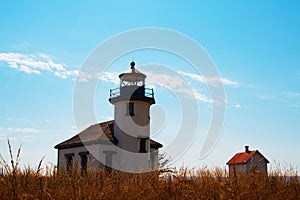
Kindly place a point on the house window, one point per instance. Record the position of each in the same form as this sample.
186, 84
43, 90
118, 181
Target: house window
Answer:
69, 161
108, 160
130, 109
143, 145
83, 160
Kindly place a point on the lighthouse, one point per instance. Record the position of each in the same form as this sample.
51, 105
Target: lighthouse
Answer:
132, 101
122, 143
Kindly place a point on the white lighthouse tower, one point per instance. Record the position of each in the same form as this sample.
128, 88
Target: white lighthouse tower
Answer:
132, 101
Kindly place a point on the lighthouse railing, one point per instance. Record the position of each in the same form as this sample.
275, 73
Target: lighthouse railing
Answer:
114, 92
149, 92
117, 92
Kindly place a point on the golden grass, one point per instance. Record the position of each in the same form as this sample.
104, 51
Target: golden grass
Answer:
184, 184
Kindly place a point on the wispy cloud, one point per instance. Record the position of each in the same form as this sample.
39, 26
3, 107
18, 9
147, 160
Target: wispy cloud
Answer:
65, 74
16, 119
23, 130
264, 97
209, 80
173, 83
24, 134
110, 77
28, 70
293, 94
25, 138
240, 106
28, 138
176, 84
5, 137
36, 64
274, 95
279, 96
237, 105
39, 63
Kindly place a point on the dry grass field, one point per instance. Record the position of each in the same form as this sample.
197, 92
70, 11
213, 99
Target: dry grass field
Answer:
184, 184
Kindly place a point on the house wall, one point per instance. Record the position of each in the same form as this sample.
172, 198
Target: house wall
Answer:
237, 168
123, 160
96, 154
257, 161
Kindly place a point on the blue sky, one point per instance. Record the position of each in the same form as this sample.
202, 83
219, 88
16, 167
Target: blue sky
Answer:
255, 46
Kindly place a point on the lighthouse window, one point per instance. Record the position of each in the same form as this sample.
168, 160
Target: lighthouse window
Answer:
143, 145
130, 109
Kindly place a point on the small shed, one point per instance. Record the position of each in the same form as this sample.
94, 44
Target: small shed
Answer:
248, 161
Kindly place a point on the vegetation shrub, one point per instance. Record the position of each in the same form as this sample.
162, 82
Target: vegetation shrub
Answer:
201, 183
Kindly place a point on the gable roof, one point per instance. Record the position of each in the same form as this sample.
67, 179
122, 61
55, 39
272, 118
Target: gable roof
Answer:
93, 135
243, 157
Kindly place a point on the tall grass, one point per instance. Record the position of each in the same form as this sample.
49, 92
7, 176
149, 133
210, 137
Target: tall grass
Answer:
202, 183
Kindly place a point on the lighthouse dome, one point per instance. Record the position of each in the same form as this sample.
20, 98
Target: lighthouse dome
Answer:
133, 76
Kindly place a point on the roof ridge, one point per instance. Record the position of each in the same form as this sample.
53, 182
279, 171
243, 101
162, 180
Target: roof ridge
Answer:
92, 135
243, 157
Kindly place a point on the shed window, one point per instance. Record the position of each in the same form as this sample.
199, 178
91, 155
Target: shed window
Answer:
130, 109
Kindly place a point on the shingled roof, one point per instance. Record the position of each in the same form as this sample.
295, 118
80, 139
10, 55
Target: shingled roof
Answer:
243, 157
93, 135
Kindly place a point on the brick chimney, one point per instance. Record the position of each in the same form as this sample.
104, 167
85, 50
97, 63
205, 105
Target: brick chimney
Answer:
247, 149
